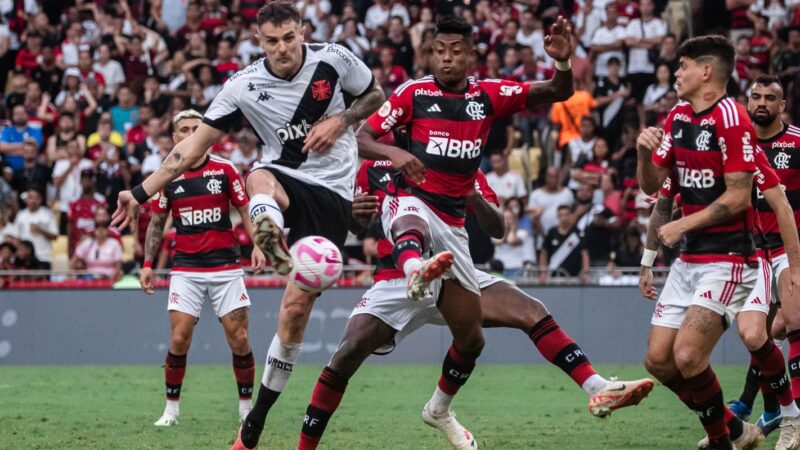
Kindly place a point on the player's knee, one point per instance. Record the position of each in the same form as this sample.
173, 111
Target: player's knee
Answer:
690, 360
471, 343
258, 182
753, 337
412, 225
532, 314
658, 363
294, 316
180, 343
239, 341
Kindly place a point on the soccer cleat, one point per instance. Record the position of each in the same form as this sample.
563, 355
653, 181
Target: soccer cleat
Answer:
740, 409
268, 236
619, 394
420, 279
459, 437
790, 434
238, 445
167, 419
751, 438
769, 422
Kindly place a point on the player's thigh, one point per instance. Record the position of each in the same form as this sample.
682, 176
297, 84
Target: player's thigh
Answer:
235, 324
660, 343
699, 333
227, 291
262, 181
505, 305
187, 292
400, 215
461, 309
363, 335
778, 326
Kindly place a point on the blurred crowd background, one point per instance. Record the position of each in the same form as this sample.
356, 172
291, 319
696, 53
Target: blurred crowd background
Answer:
90, 89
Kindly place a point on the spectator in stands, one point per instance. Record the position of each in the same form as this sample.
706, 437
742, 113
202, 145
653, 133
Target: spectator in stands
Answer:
588, 20
48, 74
100, 255
33, 174
125, 114
111, 69
543, 203
12, 137
653, 94
37, 224
382, 10
28, 57
590, 169
611, 93
643, 35
113, 174
398, 40
25, 258
136, 62
138, 132
567, 115
761, 43
317, 12
389, 75
7, 253
65, 132
516, 249
597, 225
669, 54
629, 251
80, 217
505, 183
246, 152
67, 180
787, 67
104, 138
16, 95
579, 149
563, 251
774, 10
608, 42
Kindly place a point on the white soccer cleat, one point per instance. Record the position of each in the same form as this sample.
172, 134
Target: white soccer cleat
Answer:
790, 434
268, 236
751, 438
420, 279
619, 394
168, 419
459, 437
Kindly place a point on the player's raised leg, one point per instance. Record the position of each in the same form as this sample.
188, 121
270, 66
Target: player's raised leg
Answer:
235, 324
268, 200
182, 325
363, 335
411, 240
504, 305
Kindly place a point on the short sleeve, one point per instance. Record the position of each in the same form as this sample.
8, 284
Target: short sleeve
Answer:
236, 190
394, 112
51, 226
116, 253
669, 188
482, 184
664, 156
634, 29
355, 76
765, 177
737, 139
362, 179
508, 97
224, 109
83, 249
159, 204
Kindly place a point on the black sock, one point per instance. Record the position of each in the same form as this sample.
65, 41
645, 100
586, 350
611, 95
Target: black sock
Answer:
254, 424
771, 403
751, 389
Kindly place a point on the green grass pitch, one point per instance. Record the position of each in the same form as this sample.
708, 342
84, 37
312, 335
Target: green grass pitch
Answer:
507, 407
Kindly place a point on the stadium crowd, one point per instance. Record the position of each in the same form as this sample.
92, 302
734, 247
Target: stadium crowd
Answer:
90, 88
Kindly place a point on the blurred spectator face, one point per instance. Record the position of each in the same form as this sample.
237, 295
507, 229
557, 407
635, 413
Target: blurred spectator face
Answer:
6, 252
73, 151
510, 30
153, 128
662, 74
646, 8
526, 56
135, 45
351, 27
146, 113
508, 217
670, 99
387, 57
24, 250
85, 61
165, 143
587, 129
765, 104
669, 46
34, 43
177, 104
30, 150
600, 150
510, 58
492, 61
193, 12
126, 97
33, 200
206, 76
33, 93
66, 123
70, 106
185, 128
613, 68
104, 53
564, 217
396, 27
282, 45
499, 163
632, 237
612, 15
585, 193
104, 128
19, 117
224, 50
19, 81
743, 47
72, 82
452, 58
74, 31
551, 178
794, 38
196, 90
515, 206
48, 57
426, 15
87, 181
527, 21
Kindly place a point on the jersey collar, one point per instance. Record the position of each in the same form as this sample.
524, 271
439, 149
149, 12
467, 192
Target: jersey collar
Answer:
776, 137
451, 90
203, 164
290, 78
710, 108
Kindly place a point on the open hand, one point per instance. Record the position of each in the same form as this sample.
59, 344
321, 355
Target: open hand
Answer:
365, 206
127, 211
646, 287
324, 134
649, 139
558, 44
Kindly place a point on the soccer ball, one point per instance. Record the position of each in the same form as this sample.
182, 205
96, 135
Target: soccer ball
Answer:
317, 264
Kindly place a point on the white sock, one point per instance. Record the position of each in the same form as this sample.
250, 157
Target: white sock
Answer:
411, 265
594, 384
281, 358
263, 203
245, 406
779, 343
790, 410
440, 402
172, 407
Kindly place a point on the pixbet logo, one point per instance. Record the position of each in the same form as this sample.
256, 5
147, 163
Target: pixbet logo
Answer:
293, 131
428, 92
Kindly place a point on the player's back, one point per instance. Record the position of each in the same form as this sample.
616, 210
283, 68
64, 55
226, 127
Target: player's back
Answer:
782, 151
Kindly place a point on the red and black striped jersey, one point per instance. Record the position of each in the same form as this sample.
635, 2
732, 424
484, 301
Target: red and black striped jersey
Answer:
374, 178
199, 203
700, 148
782, 152
446, 131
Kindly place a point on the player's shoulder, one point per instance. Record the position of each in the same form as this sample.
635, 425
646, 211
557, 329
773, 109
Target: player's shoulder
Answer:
248, 72
792, 133
218, 162
731, 113
421, 86
333, 54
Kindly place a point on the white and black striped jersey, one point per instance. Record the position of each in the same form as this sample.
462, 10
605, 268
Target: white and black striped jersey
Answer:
282, 112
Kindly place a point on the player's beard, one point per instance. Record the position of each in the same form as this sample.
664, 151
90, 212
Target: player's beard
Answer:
764, 120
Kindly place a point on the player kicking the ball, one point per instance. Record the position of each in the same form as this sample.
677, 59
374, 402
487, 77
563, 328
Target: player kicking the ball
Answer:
448, 117
206, 265
295, 101
709, 146
385, 315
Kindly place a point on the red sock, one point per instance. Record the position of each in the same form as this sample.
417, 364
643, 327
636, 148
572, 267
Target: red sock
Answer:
174, 370
678, 386
407, 246
709, 404
794, 362
327, 395
561, 350
456, 369
773, 380
244, 368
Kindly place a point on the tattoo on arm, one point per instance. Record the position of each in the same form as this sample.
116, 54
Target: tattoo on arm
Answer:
662, 214
152, 240
364, 106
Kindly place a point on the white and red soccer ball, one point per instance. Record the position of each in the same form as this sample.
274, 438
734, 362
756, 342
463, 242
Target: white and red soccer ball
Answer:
317, 264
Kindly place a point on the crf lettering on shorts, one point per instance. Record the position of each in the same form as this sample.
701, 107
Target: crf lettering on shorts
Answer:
201, 216
695, 178
454, 148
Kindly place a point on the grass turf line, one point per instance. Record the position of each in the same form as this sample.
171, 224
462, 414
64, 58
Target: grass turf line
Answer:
506, 406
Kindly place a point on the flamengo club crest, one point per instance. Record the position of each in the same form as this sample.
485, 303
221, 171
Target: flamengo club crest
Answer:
214, 186
475, 110
782, 160
703, 140
321, 90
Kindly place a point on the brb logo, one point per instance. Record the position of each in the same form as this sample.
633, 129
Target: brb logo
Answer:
695, 178
293, 131
201, 216
453, 148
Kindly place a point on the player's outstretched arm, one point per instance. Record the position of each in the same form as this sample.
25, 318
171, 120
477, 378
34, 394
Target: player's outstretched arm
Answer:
152, 242
558, 45
405, 162
183, 156
734, 200
777, 200
489, 217
662, 214
650, 176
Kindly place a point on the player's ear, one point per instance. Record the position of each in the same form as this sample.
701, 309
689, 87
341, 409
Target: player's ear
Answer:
175, 138
781, 106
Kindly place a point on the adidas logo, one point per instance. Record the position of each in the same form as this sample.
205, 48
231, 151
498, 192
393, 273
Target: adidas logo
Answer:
707, 294
385, 179
435, 108
179, 190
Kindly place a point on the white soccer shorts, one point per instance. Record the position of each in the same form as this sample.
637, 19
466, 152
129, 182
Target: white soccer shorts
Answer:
444, 237
387, 300
225, 290
722, 287
761, 296
779, 264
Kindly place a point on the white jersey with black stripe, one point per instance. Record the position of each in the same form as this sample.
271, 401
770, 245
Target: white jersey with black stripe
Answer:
282, 112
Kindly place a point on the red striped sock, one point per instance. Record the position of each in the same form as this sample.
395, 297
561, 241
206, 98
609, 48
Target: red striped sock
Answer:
244, 369
407, 246
773, 380
327, 395
561, 350
709, 404
456, 369
794, 363
174, 370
